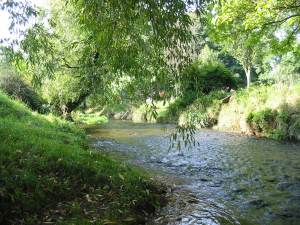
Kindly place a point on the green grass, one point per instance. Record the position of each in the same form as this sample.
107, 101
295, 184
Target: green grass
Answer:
198, 109
48, 174
89, 118
263, 110
270, 111
177, 107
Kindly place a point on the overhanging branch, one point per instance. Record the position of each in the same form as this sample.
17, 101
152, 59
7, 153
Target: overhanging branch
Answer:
280, 21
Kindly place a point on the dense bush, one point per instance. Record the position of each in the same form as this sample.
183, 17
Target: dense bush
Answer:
262, 121
204, 111
181, 103
172, 111
282, 123
202, 77
15, 87
205, 82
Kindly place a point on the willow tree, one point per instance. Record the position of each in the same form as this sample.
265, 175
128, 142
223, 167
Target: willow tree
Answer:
97, 42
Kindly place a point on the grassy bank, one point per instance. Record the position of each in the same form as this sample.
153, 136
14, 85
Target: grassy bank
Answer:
201, 112
48, 174
271, 111
267, 111
89, 118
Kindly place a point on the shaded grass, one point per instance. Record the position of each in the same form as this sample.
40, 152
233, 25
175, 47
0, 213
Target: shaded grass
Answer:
48, 174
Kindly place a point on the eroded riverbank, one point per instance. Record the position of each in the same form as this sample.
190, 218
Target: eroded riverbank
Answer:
227, 178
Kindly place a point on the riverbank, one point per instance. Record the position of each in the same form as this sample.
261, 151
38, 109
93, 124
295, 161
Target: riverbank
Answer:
267, 111
50, 175
271, 111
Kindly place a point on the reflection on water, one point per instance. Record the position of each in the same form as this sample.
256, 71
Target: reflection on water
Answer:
233, 179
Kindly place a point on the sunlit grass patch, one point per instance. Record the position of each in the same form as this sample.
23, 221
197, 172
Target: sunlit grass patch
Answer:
89, 118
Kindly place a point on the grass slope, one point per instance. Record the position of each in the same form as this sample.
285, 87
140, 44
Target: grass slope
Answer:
48, 174
270, 111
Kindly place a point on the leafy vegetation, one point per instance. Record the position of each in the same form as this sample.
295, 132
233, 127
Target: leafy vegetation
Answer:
133, 51
14, 86
90, 118
258, 111
204, 111
205, 77
50, 175
228, 64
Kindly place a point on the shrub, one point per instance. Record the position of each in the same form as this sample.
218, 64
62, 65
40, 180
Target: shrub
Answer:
174, 109
15, 87
281, 123
181, 103
204, 111
262, 121
206, 77
89, 118
264, 110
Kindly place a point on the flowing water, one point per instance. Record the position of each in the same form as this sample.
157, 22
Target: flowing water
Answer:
225, 179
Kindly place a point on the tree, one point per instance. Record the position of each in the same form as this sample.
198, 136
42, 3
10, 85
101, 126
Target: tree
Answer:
245, 27
206, 74
244, 53
285, 69
97, 42
225, 27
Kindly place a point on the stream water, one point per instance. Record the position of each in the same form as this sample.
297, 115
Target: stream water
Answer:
226, 178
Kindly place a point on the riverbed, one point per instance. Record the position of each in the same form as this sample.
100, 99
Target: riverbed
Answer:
225, 178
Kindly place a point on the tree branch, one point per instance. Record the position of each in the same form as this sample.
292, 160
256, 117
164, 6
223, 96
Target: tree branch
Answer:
281, 21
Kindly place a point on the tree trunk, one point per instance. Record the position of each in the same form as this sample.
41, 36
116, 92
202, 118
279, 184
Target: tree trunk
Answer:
248, 75
68, 108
